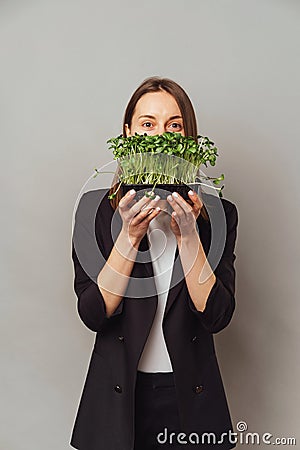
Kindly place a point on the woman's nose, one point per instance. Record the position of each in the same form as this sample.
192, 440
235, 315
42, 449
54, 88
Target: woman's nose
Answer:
161, 129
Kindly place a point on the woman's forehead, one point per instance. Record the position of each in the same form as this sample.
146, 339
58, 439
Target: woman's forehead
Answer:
153, 103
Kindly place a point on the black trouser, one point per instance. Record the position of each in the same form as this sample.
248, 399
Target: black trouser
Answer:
155, 409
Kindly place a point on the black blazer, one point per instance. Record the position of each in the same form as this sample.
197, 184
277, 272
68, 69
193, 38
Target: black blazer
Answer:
105, 416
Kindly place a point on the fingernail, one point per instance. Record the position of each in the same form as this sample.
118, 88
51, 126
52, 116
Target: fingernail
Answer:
170, 198
191, 192
175, 194
157, 198
132, 192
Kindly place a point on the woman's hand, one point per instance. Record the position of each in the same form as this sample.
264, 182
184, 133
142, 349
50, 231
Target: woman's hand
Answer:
183, 219
136, 215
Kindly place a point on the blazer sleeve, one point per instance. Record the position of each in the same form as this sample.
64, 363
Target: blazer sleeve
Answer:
91, 306
220, 304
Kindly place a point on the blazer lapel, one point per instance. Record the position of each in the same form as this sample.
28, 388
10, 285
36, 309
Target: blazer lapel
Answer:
177, 282
177, 274
147, 266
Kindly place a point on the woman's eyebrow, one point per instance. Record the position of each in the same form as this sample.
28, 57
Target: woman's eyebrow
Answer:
152, 117
175, 117
146, 115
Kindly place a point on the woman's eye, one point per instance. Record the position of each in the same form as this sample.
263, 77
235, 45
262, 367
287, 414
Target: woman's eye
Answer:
175, 125
147, 124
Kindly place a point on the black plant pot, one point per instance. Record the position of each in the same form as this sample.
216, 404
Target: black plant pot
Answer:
163, 190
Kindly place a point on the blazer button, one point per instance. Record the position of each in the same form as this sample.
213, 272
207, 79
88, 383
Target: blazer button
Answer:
194, 338
121, 338
198, 389
118, 389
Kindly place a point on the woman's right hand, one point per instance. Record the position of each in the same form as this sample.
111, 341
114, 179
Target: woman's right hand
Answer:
136, 215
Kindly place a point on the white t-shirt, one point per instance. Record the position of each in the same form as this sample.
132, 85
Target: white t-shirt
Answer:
162, 243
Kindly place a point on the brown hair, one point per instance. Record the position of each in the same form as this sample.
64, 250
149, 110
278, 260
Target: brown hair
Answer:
155, 84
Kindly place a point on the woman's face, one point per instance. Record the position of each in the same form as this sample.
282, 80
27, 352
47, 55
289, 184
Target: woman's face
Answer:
156, 113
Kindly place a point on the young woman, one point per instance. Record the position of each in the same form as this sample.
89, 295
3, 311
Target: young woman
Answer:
153, 380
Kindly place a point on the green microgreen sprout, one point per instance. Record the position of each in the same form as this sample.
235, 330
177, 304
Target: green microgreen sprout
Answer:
169, 158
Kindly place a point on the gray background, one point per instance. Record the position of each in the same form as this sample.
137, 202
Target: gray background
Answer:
68, 69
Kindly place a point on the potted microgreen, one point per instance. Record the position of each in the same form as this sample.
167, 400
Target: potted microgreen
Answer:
169, 162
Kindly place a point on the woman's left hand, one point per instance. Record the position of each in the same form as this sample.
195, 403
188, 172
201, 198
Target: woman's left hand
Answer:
183, 219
